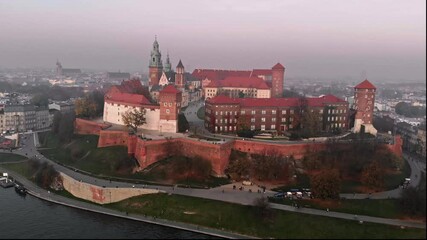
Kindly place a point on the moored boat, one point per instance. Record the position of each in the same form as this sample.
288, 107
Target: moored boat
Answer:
20, 189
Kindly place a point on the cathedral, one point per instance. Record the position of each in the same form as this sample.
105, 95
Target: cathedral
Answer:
162, 75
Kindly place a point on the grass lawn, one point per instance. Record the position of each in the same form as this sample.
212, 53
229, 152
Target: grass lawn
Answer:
201, 113
8, 157
386, 208
82, 153
243, 219
22, 168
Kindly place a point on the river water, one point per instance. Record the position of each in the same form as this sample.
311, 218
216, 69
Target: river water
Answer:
30, 217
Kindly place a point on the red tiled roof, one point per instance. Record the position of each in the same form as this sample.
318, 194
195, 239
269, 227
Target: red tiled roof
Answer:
214, 84
221, 99
365, 85
212, 74
276, 102
257, 72
242, 82
170, 89
127, 98
130, 86
278, 66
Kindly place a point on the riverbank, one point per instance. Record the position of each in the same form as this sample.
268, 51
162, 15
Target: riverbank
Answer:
45, 195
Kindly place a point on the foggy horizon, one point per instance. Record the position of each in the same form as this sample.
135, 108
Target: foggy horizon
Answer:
380, 40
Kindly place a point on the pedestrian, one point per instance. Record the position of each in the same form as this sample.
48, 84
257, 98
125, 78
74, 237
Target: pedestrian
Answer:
327, 209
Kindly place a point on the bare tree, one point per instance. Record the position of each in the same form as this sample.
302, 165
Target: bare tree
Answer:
134, 119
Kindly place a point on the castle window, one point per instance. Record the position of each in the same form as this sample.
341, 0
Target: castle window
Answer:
262, 119
252, 127
262, 127
273, 127
165, 104
252, 119
273, 119
168, 111
263, 112
253, 112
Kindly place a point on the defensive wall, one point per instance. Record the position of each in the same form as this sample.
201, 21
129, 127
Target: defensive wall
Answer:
148, 152
101, 195
82, 126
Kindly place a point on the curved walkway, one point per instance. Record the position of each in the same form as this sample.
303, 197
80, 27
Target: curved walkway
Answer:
38, 192
239, 197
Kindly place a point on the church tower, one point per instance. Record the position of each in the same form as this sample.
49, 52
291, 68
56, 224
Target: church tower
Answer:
179, 76
168, 66
155, 67
58, 69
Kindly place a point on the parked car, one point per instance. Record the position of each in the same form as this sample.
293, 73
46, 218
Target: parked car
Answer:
247, 183
279, 195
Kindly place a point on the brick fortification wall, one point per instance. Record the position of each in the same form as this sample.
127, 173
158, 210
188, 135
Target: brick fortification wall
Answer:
295, 150
82, 126
108, 138
149, 152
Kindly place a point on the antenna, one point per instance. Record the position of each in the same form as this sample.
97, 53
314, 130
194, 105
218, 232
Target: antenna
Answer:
364, 75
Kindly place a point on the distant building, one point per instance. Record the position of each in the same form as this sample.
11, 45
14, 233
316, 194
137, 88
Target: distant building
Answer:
21, 118
63, 107
66, 72
364, 100
258, 83
116, 76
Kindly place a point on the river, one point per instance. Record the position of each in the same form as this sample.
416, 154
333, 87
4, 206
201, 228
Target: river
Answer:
30, 217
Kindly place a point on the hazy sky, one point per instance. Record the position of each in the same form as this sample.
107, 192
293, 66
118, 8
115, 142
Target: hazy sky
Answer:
383, 39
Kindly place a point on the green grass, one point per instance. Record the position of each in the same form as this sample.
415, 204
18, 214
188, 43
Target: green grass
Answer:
99, 161
22, 168
244, 220
9, 157
201, 113
385, 208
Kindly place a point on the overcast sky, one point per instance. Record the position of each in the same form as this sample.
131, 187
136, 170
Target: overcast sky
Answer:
380, 39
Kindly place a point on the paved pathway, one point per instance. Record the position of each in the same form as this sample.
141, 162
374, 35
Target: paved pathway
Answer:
221, 194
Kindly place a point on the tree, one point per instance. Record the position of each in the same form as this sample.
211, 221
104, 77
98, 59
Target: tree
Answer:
241, 94
134, 119
239, 164
263, 209
269, 164
311, 123
373, 175
66, 127
326, 184
97, 97
243, 129
183, 124
56, 122
85, 108
39, 99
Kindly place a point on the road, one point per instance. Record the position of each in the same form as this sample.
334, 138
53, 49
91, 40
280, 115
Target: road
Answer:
223, 193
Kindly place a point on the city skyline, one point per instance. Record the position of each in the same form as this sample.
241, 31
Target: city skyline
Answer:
382, 40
